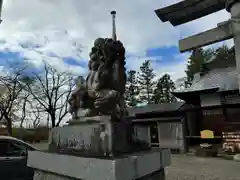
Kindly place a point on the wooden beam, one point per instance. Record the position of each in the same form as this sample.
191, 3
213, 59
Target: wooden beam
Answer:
221, 33
189, 10
162, 12
189, 15
157, 119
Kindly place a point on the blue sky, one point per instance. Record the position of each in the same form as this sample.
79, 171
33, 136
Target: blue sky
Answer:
164, 55
159, 57
63, 35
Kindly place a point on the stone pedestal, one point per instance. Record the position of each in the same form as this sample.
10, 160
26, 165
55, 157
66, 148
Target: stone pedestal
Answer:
142, 165
98, 148
92, 136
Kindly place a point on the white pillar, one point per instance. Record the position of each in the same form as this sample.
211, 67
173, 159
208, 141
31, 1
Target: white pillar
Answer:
235, 18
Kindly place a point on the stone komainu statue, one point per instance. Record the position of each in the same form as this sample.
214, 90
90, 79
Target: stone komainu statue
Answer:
103, 91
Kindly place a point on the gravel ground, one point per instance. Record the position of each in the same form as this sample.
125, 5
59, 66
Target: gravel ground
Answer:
197, 168
41, 146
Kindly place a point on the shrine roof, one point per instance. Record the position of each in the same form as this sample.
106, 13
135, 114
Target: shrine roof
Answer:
188, 10
159, 108
222, 79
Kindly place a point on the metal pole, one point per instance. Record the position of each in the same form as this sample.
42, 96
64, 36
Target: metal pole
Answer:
1, 2
114, 35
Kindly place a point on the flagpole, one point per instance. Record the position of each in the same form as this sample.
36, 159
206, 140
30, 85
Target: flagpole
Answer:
114, 35
1, 4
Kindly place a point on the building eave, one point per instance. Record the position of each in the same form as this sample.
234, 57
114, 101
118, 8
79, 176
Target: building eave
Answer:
188, 10
193, 97
162, 109
210, 90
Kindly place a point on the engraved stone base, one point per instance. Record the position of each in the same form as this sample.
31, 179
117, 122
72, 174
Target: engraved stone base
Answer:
142, 165
95, 136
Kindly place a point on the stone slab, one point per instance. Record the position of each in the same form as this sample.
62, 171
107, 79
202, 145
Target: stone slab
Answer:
223, 32
86, 136
128, 167
165, 157
90, 119
236, 157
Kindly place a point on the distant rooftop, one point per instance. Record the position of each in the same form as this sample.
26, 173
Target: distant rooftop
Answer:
223, 79
188, 10
159, 108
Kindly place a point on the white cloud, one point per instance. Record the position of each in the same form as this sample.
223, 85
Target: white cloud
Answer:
203, 24
65, 26
134, 62
1, 70
176, 70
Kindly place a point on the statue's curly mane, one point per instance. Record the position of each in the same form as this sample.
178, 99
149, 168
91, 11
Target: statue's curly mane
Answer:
108, 57
104, 89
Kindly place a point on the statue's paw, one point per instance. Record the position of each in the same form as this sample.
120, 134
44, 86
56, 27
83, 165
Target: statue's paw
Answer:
90, 113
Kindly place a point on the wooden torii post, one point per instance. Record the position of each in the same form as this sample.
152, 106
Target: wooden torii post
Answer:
189, 10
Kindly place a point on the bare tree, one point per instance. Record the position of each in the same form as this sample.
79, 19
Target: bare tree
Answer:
35, 114
36, 121
28, 110
23, 106
13, 97
51, 90
9, 99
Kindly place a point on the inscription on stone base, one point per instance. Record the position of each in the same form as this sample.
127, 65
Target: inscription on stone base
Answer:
95, 136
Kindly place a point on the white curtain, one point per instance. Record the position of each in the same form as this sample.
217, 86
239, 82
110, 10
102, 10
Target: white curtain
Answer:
171, 135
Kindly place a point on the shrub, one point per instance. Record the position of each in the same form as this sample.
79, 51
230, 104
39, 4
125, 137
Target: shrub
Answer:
31, 135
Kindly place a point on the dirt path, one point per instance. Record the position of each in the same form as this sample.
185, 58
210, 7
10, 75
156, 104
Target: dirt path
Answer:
196, 168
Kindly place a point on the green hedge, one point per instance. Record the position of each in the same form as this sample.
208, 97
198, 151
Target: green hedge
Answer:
31, 135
